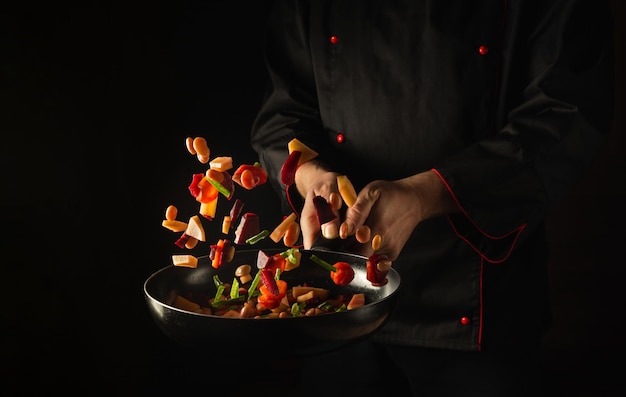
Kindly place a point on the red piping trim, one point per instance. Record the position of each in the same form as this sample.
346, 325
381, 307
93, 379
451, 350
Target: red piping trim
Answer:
517, 230
480, 306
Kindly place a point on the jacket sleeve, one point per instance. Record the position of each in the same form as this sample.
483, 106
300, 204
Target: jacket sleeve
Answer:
555, 108
290, 108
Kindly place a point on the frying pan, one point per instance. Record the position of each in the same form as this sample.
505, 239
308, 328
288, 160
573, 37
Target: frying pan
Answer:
286, 337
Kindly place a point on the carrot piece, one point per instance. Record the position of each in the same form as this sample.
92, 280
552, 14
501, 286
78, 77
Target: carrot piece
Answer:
291, 234
218, 253
280, 230
346, 190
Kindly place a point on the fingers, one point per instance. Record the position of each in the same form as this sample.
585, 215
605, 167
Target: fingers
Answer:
335, 201
353, 223
358, 213
363, 234
330, 230
367, 207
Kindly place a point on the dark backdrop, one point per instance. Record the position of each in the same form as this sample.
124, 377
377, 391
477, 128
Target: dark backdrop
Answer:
96, 99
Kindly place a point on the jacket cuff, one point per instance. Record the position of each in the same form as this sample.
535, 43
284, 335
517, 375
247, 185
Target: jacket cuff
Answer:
492, 248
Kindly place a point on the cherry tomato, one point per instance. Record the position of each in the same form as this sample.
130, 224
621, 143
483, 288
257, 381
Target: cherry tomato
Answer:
344, 273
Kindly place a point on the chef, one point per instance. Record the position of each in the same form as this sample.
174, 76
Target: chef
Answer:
460, 124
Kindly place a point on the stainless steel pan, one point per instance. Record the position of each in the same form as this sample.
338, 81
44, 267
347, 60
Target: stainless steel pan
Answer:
284, 337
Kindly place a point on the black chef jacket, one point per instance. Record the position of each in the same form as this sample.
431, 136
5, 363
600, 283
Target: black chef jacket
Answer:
507, 101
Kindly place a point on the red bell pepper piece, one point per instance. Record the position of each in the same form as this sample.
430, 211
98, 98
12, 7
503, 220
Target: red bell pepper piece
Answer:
269, 300
208, 192
194, 189
373, 275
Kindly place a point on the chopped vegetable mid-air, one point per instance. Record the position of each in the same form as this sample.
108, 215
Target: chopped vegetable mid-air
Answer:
244, 228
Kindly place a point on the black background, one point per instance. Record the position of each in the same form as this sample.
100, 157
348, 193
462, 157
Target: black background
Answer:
96, 99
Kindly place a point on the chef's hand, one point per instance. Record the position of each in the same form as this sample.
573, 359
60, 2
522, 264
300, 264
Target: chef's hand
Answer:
392, 209
313, 180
